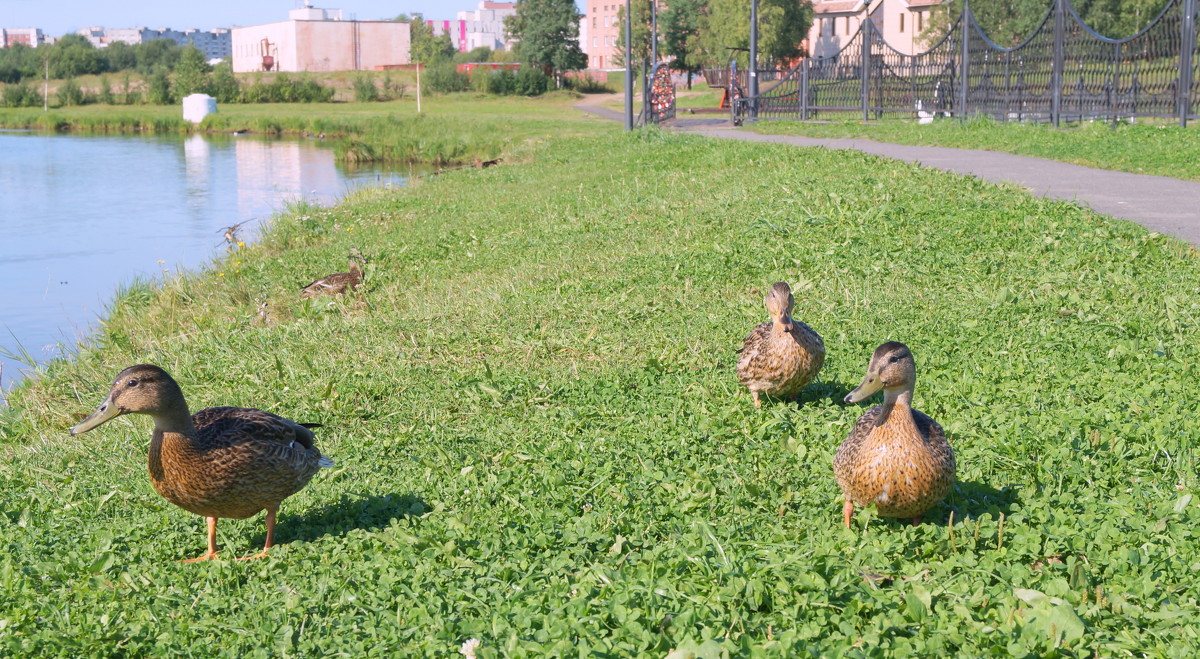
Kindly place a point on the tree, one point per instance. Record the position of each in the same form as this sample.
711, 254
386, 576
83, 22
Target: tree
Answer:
547, 32
159, 89
225, 87
120, 56
191, 74
725, 30
157, 53
424, 46
680, 25
639, 44
73, 56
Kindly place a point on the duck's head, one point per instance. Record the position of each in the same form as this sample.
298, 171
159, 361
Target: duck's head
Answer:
779, 304
891, 367
141, 389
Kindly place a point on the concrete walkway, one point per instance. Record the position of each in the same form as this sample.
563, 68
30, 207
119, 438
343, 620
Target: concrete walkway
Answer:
1166, 205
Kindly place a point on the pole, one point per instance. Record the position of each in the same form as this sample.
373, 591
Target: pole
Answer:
628, 68
865, 65
418, 88
752, 92
1188, 29
1056, 72
653, 32
965, 69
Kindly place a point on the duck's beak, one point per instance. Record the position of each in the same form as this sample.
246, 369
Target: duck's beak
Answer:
785, 321
869, 385
105, 412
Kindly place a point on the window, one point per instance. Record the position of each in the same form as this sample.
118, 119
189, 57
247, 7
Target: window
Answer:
595, 41
593, 21
920, 21
902, 22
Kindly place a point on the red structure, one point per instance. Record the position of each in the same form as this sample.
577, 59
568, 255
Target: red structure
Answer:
468, 67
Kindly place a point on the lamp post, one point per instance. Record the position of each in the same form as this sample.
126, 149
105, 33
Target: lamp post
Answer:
628, 68
752, 71
653, 32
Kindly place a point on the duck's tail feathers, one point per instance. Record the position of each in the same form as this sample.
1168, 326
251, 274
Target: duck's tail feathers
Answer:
325, 462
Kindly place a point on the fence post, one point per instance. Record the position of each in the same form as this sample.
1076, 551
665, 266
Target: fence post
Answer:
865, 92
1187, 45
804, 89
964, 68
1056, 73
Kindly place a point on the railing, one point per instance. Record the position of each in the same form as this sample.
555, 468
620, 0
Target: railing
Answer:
1064, 71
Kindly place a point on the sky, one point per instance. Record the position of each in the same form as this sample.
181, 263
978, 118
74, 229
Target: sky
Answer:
59, 17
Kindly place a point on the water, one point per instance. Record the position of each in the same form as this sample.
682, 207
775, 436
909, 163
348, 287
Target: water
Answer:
79, 216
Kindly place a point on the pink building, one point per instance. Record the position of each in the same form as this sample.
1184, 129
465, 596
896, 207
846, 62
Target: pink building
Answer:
319, 40
835, 22
482, 27
600, 32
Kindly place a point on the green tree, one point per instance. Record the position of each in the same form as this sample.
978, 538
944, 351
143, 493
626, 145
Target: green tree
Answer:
639, 45
106, 95
424, 46
680, 27
224, 85
159, 90
157, 53
191, 73
480, 54
73, 55
70, 93
119, 56
725, 30
547, 32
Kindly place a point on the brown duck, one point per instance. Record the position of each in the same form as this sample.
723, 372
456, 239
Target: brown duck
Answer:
221, 462
781, 356
337, 283
896, 457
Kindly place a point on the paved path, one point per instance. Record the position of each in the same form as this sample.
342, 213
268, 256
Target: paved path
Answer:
1167, 205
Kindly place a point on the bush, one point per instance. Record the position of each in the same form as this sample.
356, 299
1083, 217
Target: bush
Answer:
70, 93
586, 84
285, 89
364, 89
106, 95
159, 90
444, 78
21, 95
530, 81
225, 87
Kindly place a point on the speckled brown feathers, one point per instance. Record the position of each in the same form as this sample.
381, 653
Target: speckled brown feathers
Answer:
336, 283
220, 462
780, 357
896, 457
238, 462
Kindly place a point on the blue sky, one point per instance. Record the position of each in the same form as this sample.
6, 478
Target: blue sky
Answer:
58, 17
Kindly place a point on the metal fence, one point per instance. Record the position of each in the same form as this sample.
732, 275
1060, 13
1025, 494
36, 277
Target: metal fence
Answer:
1064, 71
660, 103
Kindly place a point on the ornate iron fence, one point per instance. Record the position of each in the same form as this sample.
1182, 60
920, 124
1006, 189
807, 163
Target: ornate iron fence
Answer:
1064, 71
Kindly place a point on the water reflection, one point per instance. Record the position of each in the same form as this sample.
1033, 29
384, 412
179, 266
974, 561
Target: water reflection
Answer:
79, 216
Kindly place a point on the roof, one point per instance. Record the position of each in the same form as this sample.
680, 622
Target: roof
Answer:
838, 7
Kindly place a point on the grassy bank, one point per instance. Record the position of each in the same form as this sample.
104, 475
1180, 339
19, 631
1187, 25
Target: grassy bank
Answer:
541, 443
1160, 149
452, 128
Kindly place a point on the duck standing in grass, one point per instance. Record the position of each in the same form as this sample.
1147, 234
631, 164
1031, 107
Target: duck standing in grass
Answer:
337, 283
896, 457
781, 356
223, 461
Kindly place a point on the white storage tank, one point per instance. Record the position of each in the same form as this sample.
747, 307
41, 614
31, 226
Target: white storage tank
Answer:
198, 106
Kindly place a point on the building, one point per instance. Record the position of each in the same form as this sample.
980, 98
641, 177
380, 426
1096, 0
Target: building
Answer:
600, 32
29, 36
835, 22
215, 44
314, 39
482, 27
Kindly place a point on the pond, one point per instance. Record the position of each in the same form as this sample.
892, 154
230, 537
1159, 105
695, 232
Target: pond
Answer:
82, 215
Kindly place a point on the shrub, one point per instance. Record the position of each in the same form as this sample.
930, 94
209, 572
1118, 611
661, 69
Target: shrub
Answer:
501, 82
225, 87
365, 90
285, 89
70, 93
21, 95
159, 90
106, 95
530, 81
586, 84
444, 78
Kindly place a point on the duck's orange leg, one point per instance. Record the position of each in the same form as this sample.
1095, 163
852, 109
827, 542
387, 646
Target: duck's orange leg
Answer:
757, 403
212, 544
270, 534
847, 511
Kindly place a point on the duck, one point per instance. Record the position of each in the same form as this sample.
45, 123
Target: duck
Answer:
781, 356
896, 457
221, 462
337, 283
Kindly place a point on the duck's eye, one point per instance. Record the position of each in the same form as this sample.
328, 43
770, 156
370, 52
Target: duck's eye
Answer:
132, 383
894, 359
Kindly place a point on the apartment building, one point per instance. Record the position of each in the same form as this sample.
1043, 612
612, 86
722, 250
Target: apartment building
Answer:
600, 33
215, 44
28, 36
482, 27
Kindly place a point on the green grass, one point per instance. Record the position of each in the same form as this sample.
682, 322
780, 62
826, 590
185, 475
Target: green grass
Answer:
541, 442
452, 128
1144, 148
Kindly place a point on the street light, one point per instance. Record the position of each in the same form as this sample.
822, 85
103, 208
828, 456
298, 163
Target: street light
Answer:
628, 68
753, 70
